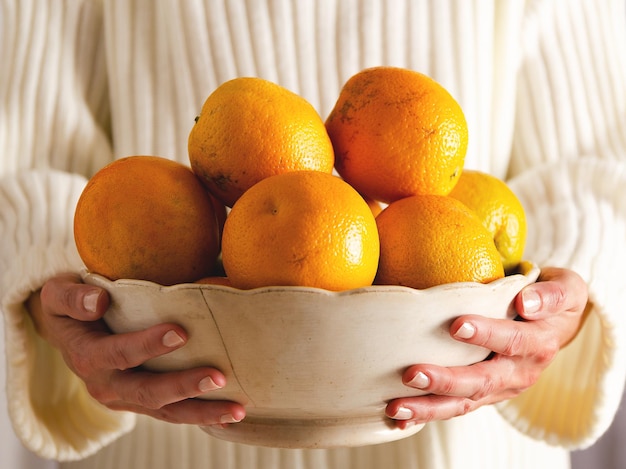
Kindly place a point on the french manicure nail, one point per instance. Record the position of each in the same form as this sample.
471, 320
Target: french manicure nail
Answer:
531, 301
228, 418
403, 413
90, 301
207, 384
420, 381
466, 331
172, 339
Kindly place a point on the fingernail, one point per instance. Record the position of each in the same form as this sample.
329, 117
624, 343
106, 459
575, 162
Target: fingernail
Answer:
466, 331
207, 384
403, 413
228, 418
420, 381
531, 301
172, 339
90, 301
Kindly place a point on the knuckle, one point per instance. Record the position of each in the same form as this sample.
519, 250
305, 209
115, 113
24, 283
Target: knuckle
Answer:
119, 357
447, 385
556, 298
465, 407
487, 388
485, 337
515, 344
82, 364
167, 414
429, 416
525, 382
131, 351
531, 379
547, 352
99, 393
180, 390
145, 397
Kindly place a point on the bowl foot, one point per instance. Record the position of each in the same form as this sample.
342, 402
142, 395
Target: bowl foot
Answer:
311, 433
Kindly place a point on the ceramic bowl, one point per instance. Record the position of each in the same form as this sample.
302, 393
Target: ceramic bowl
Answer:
313, 368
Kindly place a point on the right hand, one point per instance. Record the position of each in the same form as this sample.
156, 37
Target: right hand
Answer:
68, 314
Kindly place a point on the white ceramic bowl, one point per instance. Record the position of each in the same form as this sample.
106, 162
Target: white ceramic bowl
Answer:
314, 368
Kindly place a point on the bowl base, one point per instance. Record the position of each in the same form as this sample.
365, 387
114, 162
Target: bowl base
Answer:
312, 433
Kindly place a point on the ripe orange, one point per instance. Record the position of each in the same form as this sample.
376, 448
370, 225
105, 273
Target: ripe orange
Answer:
500, 211
304, 228
249, 129
397, 133
428, 240
149, 218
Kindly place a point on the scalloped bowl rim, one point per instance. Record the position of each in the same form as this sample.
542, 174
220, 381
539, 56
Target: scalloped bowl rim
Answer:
530, 271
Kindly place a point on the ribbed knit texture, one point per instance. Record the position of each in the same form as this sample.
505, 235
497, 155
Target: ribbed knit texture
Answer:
310, 47
53, 99
486, 442
571, 95
543, 87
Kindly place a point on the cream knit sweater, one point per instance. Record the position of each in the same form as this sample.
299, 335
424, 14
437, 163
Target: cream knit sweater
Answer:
543, 86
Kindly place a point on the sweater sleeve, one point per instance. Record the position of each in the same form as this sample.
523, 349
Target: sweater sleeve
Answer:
53, 135
577, 219
569, 168
51, 411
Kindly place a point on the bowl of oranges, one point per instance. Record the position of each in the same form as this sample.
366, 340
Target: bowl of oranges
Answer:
310, 261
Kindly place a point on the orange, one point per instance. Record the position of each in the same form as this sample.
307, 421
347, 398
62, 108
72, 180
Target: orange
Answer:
397, 133
306, 228
149, 218
428, 240
249, 129
500, 211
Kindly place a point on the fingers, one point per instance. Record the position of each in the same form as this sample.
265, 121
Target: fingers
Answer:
506, 337
474, 382
556, 290
108, 364
68, 314
66, 295
455, 391
551, 312
156, 390
521, 350
428, 408
94, 349
192, 412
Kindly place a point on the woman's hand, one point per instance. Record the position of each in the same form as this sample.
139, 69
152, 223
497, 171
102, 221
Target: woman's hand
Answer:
551, 312
67, 313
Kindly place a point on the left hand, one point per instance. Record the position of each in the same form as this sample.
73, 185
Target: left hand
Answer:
552, 311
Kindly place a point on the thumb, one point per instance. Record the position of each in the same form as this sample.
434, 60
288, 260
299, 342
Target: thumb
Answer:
557, 290
67, 295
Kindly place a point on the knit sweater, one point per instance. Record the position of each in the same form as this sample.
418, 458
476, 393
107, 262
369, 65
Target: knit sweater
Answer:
543, 88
